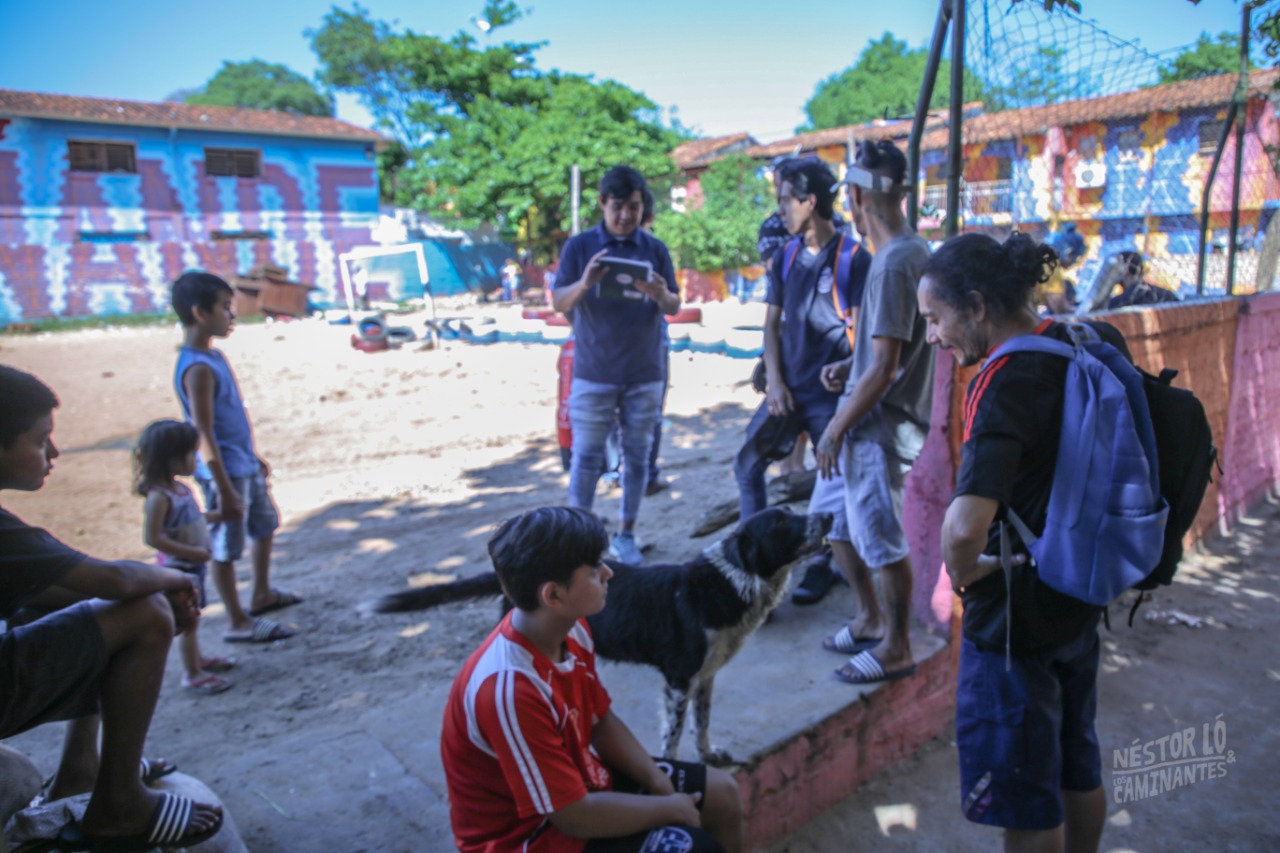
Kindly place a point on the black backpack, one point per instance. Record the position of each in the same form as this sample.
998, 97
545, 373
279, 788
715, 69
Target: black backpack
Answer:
1187, 455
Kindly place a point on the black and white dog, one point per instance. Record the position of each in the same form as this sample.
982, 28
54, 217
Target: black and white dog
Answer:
686, 619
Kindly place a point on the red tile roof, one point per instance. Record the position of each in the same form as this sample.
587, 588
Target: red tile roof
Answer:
701, 152
893, 129
1189, 94
184, 116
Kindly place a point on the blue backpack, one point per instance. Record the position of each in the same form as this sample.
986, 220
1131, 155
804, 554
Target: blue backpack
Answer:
1105, 528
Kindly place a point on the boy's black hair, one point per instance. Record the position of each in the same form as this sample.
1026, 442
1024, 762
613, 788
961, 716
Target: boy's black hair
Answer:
809, 177
196, 289
620, 182
26, 400
544, 545
160, 443
885, 158
647, 217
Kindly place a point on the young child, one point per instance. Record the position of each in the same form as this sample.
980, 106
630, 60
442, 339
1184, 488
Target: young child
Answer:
232, 475
175, 526
103, 647
534, 757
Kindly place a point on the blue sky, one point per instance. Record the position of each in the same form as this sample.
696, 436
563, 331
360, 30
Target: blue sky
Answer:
724, 66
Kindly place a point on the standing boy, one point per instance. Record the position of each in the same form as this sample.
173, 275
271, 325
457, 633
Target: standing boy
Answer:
879, 429
619, 369
813, 307
534, 757
103, 648
232, 475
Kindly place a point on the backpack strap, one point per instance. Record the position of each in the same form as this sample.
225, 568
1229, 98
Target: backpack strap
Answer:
844, 273
789, 257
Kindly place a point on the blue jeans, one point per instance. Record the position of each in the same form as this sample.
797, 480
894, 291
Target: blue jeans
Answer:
750, 466
593, 408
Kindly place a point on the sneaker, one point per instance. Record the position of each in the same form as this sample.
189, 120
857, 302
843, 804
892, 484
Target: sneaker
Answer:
657, 484
623, 548
819, 577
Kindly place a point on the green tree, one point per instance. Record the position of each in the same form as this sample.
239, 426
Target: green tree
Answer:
885, 80
263, 86
1209, 56
1041, 80
721, 234
485, 135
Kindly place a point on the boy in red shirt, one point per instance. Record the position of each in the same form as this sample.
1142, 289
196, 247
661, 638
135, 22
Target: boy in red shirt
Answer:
534, 756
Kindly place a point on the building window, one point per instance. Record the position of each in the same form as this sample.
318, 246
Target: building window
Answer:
232, 163
1130, 141
1209, 133
102, 157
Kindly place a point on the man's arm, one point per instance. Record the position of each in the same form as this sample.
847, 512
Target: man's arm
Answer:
658, 289
615, 743
122, 579
778, 397
564, 298
870, 389
964, 537
199, 384
608, 814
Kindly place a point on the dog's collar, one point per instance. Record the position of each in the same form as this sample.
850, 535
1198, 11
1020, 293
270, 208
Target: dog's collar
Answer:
746, 584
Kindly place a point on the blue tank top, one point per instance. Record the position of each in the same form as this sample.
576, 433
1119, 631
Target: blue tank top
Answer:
230, 421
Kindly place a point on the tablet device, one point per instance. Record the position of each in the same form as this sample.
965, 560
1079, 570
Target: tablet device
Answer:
620, 279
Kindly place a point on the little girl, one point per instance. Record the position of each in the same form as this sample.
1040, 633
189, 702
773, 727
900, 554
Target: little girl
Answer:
177, 529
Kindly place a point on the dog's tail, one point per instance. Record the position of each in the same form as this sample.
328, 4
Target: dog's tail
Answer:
481, 586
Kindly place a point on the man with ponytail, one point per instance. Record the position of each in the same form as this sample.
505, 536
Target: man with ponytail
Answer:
880, 425
1026, 692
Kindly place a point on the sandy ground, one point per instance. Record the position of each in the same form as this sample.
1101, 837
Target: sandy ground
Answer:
392, 468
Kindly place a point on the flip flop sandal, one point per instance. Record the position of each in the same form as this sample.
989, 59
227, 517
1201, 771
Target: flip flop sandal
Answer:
208, 684
216, 664
868, 670
282, 598
166, 829
843, 642
154, 771
264, 631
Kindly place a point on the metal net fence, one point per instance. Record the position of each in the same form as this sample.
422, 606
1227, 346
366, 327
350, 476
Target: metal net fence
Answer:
1068, 126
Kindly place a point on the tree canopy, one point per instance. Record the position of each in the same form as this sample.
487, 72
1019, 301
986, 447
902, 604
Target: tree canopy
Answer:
1209, 56
262, 86
721, 233
484, 135
885, 80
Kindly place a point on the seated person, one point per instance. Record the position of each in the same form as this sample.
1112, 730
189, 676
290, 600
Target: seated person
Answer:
1057, 296
103, 648
534, 757
1136, 291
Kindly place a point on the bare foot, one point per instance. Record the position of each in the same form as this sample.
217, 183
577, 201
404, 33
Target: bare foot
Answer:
121, 819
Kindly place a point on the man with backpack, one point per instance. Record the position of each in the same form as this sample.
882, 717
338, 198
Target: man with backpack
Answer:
815, 285
1026, 693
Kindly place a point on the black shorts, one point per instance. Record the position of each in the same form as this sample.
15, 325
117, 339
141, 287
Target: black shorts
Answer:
51, 669
688, 778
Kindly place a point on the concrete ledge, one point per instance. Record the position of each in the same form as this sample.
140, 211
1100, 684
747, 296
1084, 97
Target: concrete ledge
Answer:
814, 769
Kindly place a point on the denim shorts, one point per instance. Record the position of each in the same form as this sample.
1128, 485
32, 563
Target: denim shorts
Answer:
873, 485
51, 668
260, 520
1026, 735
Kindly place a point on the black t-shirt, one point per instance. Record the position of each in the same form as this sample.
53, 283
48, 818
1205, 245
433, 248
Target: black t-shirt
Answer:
1012, 423
812, 332
31, 561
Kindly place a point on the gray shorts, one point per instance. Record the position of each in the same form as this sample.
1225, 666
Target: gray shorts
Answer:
51, 669
226, 538
873, 486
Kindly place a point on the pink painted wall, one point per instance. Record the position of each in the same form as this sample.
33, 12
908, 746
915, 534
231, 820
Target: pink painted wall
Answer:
1251, 447
928, 491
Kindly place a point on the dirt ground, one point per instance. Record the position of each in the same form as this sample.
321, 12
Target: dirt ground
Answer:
392, 468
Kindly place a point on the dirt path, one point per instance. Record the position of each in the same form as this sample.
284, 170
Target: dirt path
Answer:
393, 467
